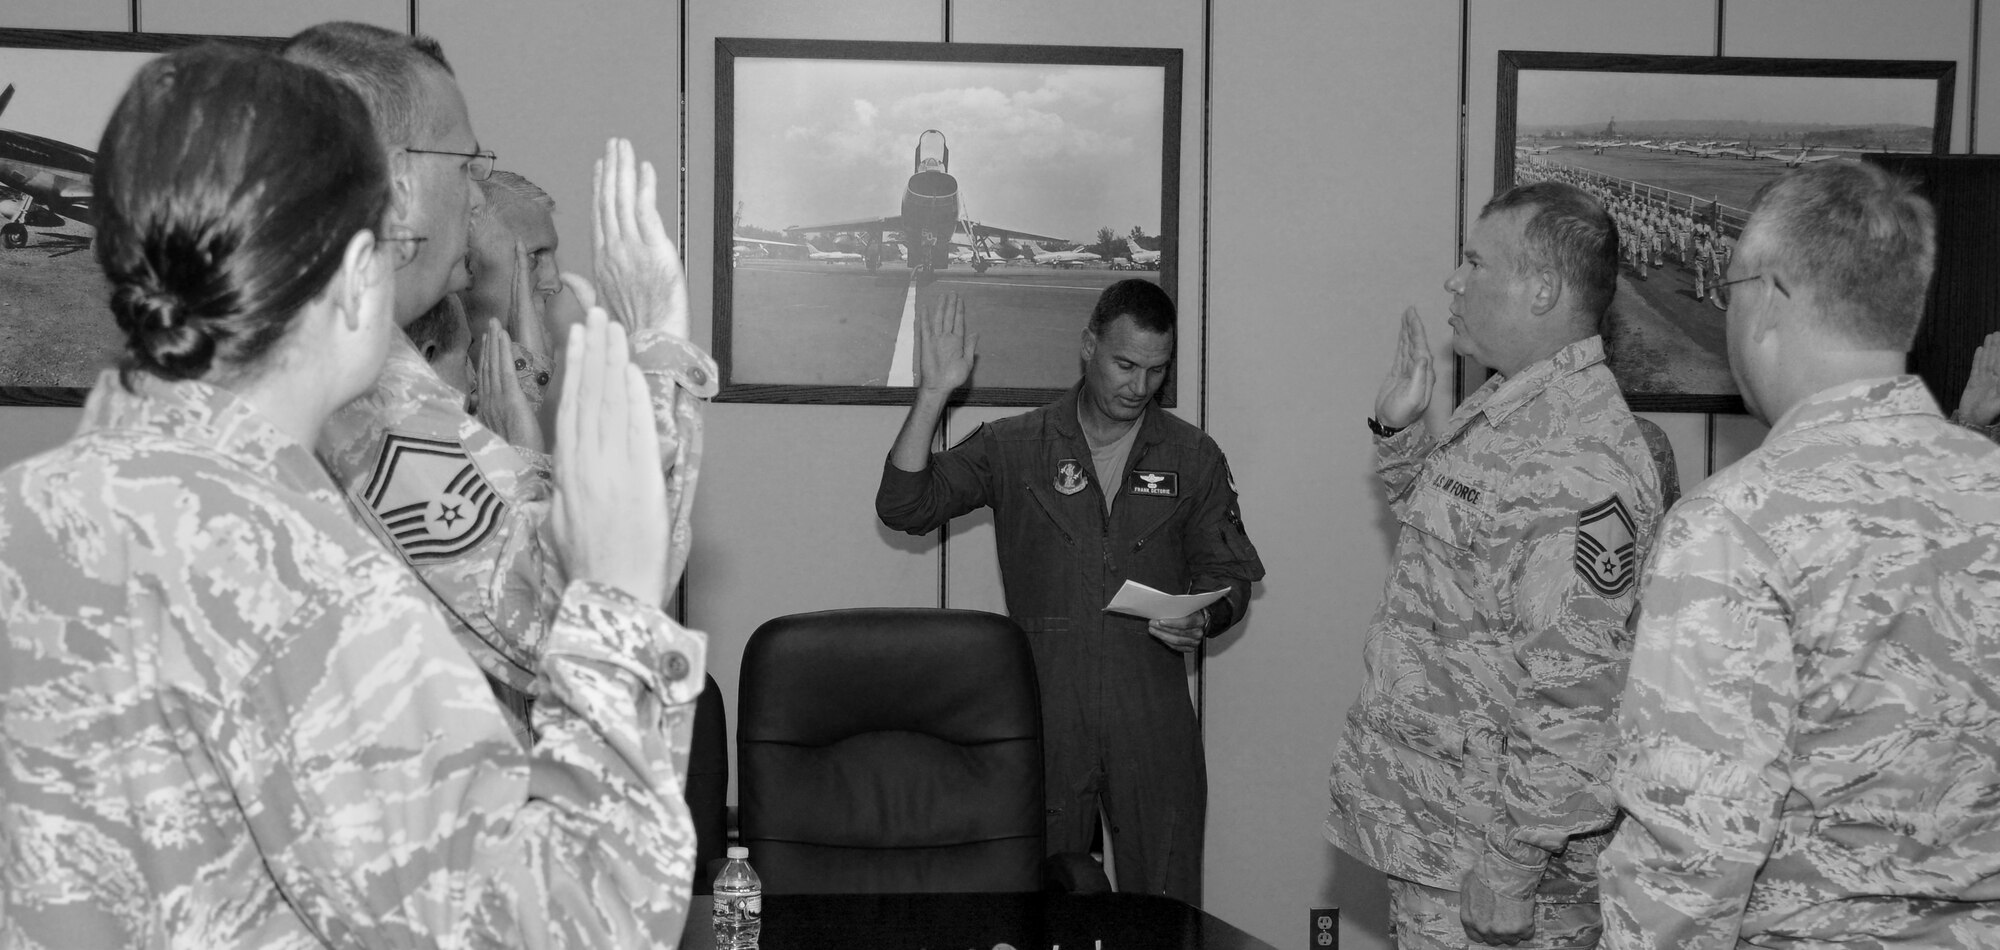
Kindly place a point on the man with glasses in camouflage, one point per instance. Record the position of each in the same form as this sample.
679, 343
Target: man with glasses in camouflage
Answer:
467, 512
1808, 749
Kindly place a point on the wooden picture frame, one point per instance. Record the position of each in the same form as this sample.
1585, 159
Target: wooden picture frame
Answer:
57, 90
857, 182
1678, 146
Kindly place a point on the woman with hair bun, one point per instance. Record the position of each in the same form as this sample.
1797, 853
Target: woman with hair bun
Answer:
229, 716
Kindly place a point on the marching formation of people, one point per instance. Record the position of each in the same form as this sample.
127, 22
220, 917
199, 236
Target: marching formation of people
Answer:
340, 621
1654, 229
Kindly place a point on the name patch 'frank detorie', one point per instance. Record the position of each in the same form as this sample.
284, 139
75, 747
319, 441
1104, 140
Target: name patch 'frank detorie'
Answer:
1607, 552
1163, 484
431, 498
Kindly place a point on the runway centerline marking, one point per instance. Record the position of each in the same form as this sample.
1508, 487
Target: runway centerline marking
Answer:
902, 367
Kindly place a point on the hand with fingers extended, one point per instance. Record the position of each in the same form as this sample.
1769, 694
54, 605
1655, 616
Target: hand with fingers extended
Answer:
945, 350
503, 406
638, 269
1979, 405
610, 512
1406, 391
527, 324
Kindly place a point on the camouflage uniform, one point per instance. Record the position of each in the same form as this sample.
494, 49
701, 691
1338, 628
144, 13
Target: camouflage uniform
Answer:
230, 718
1481, 738
470, 513
1811, 732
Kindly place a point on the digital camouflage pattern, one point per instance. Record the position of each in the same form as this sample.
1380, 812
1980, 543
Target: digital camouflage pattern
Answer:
1422, 917
229, 718
1481, 738
470, 513
1811, 734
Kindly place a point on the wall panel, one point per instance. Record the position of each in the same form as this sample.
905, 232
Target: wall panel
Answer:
547, 86
113, 15
786, 516
1334, 189
1858, 29
265, 17
1986, 57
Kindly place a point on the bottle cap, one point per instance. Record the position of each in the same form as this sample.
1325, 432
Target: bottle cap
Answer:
739, 853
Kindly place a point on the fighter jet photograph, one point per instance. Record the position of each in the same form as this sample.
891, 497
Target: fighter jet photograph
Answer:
859, 190
56, 329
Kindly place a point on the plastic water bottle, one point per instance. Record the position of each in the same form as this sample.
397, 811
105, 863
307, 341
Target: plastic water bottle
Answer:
738, 903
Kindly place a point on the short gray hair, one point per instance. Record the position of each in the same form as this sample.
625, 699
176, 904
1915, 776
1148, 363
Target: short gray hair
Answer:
383, 66
1858, 238
1569, 232
516, 184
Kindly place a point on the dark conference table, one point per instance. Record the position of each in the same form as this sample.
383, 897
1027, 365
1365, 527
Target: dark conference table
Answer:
978, 922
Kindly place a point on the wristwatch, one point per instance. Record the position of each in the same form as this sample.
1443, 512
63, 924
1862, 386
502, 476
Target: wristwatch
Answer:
1381, 430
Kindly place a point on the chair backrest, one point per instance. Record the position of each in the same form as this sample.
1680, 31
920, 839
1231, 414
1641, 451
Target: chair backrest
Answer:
890, 750
708, 783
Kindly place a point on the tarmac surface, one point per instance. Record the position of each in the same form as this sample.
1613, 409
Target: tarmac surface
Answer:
56, 327
839, 324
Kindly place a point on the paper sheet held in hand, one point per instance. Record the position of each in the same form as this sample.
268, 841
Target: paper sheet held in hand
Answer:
1139, 600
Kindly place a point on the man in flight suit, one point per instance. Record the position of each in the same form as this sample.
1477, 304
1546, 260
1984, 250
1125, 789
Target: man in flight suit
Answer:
1097, 488
1472, 768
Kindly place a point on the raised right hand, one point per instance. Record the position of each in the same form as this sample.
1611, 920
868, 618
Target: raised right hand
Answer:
1406, 391
1980, 403
611, 520
945, 351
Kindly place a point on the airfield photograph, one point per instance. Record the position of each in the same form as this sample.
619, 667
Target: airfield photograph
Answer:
56, 328
1678, 161
862, 190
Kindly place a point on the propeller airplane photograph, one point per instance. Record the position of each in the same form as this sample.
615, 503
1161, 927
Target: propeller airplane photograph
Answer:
57, 91
49, 181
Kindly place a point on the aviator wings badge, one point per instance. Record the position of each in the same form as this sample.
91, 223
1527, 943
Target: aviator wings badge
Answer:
431, 499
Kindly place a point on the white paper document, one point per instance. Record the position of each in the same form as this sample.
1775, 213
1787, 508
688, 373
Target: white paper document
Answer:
1139, 600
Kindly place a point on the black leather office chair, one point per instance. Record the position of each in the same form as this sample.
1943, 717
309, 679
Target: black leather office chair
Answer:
708, 784
887, 750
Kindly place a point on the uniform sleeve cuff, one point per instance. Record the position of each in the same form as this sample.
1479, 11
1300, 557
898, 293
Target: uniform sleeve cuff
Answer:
602, 624
690, 367
1511, 870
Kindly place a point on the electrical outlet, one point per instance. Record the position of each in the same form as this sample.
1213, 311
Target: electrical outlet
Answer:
1325, 928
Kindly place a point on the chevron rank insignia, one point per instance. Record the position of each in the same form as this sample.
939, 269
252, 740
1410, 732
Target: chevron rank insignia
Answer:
431, 499
1607, 550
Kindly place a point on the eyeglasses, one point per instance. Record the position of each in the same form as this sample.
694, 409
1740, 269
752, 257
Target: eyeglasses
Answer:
402, 246
1776, 284
478, 165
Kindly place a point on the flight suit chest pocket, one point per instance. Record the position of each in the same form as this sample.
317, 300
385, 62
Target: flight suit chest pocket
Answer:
1455, 507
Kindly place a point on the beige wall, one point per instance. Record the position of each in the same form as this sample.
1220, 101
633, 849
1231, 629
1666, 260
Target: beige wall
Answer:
1334, 171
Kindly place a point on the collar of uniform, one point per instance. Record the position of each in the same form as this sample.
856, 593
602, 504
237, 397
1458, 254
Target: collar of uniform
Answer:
406, 366
1876, 398
1062, 414
202, 415
1505, 396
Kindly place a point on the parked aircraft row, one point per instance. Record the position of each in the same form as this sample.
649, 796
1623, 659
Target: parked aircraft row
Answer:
1707, 149
51, 178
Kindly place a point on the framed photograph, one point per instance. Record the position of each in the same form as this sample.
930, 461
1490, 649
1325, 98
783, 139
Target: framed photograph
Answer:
857, 182
1677, 147
57, 90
